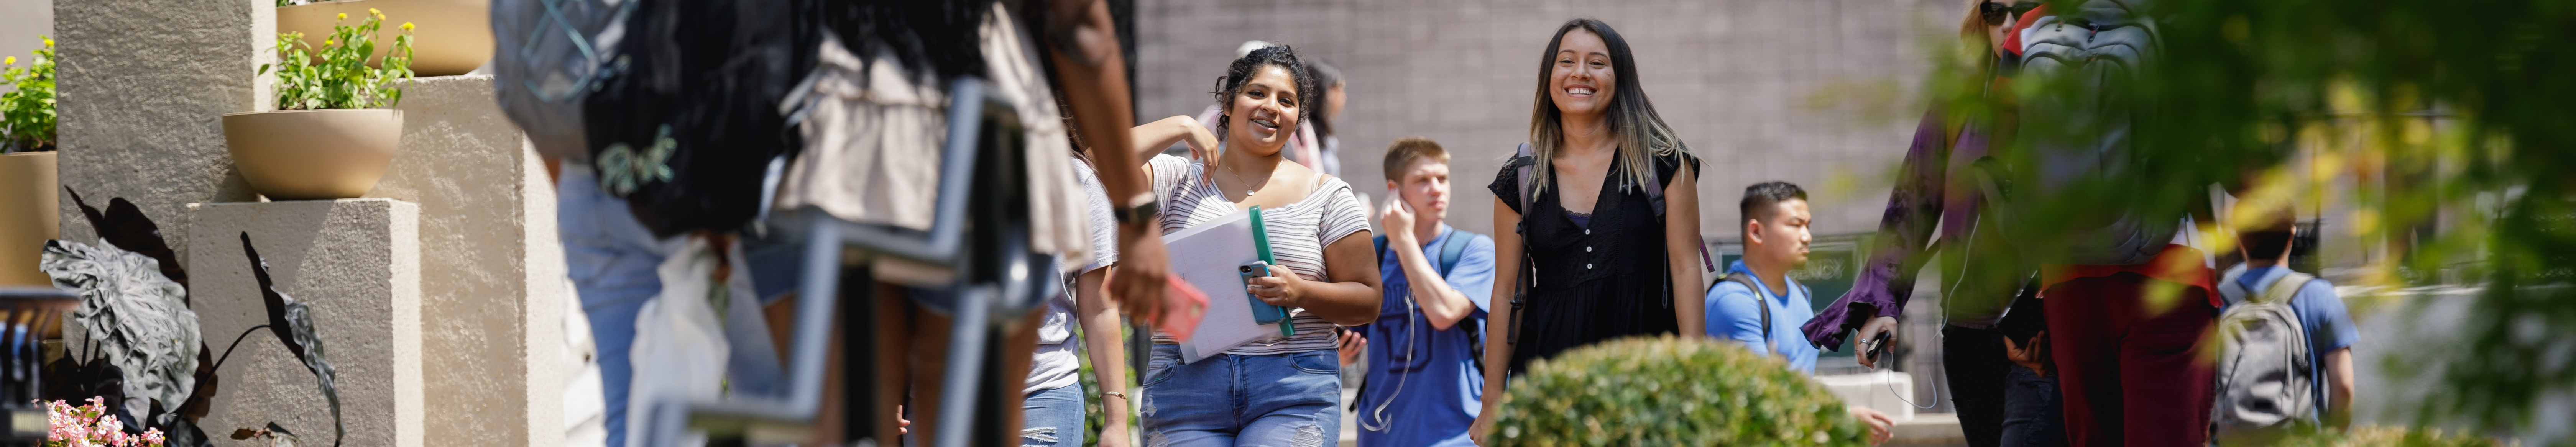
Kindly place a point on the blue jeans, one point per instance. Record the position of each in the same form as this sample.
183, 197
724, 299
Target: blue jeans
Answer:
1054, 418
1290, 400
2031, 413
611, 259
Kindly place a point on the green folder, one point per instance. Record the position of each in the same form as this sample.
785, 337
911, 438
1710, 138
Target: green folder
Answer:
1261, 244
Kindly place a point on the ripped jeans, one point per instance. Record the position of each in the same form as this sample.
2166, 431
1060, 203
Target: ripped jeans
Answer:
1054, 417
1287, 400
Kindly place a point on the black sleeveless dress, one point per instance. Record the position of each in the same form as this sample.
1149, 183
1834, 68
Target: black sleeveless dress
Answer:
1597, 281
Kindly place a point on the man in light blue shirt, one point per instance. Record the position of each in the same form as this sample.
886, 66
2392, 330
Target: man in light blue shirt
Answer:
1776, 239
1758, 288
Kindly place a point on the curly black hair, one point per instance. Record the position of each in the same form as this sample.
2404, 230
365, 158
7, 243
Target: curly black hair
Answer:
1278, 55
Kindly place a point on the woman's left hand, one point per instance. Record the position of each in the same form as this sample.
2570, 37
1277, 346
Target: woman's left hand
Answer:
1282, 288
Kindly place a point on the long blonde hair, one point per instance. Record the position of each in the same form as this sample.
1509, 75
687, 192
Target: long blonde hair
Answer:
1642, 132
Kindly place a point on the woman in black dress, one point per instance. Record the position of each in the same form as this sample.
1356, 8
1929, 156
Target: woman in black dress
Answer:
1604, 258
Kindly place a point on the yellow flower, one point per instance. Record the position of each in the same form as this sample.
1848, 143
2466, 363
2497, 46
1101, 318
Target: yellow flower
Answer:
12, 60
328, 42
406, 26
49, 42
344, 16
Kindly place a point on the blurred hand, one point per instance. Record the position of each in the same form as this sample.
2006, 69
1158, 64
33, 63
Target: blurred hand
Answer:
1397, 221
1480, 431
2034, 356
1870, 331
1352, 347
1113, 435
1138, 285
1881, 427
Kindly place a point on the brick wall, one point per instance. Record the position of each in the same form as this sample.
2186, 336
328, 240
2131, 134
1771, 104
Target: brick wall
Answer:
1808, 91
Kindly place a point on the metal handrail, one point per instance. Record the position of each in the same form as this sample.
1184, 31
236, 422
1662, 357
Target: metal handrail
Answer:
791, 414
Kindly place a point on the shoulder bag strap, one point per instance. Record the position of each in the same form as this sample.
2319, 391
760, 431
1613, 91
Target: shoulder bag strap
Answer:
1758, 303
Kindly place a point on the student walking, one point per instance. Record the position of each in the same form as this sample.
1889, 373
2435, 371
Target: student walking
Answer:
1936, 190
1424, 380
1758, 304
1054, 400
2262, 397
1604, 212
1275, 390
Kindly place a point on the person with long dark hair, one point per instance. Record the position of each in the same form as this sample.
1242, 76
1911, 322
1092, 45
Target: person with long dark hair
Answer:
1279, 390
1607, 222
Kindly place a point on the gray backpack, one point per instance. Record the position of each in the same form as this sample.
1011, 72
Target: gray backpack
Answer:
2101, 43
551, 54
2266, 380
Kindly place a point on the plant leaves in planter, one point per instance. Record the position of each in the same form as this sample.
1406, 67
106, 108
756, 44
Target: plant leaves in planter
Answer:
292, 321
138, 318
124, 226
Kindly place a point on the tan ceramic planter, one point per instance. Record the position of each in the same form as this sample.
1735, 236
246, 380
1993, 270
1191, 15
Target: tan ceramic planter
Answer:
30, 214
455, 36
313, 154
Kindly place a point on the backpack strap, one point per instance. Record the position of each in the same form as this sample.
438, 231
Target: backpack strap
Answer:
2287, 287
1380, 243
1453, 247
1758, 303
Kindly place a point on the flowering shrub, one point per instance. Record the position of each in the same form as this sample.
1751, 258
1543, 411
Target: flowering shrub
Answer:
90, 426
335, 75
27, 113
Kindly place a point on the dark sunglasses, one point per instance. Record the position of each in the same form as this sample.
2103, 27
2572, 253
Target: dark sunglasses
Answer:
1994, 13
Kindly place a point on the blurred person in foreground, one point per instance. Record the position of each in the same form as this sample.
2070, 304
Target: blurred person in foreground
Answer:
1936, 191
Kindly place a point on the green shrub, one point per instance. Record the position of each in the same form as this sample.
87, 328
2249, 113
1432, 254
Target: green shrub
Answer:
2387, 437
336, 75
27, 113
1670, 391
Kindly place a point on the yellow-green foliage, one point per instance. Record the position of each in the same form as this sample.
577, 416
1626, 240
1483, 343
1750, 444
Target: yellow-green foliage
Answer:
1669, 391
335, 75
2388, 437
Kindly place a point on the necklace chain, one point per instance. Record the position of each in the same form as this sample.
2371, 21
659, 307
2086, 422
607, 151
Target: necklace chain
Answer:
1248, 188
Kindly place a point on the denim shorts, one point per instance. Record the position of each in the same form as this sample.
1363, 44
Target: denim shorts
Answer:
1054, 416
1282, 400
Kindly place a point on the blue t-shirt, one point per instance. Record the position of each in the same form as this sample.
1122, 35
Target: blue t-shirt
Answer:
1426, 380
1732, 316
2320, 312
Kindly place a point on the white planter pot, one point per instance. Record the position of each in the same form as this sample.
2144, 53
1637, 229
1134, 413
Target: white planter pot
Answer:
313, 154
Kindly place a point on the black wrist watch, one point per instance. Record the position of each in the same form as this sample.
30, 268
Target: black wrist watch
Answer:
1143, 210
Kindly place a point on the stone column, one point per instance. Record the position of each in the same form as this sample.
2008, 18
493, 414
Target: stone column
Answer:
143, 87
357, 263
493, 277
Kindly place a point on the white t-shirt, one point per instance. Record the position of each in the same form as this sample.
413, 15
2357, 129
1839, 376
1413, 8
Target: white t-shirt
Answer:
1056, 365
1298, 234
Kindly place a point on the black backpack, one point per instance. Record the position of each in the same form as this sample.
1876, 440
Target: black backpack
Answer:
698, 106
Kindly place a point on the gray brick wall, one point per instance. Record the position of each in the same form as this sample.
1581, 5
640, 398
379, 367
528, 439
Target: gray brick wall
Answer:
1808, 91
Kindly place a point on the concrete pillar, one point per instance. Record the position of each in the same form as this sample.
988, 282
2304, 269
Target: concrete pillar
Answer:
357, 262
493, 277
143, 86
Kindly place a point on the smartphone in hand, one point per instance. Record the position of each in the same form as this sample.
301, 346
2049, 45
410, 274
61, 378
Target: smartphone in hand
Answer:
1262, 312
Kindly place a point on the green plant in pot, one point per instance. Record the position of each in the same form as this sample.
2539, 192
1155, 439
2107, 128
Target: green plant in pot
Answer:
28, 205
335, 129
1650, 391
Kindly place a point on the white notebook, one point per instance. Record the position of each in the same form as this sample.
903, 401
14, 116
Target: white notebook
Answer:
1206, 255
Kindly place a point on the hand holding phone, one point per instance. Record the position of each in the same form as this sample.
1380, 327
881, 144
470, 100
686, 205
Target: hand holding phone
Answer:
1262, 311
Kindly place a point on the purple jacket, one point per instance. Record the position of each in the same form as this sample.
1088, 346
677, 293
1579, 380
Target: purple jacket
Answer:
1932, 191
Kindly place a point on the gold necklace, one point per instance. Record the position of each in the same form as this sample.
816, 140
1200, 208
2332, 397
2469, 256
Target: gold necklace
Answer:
1248, 187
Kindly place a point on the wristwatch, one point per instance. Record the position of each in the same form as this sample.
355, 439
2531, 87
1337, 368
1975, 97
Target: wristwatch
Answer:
1140, 209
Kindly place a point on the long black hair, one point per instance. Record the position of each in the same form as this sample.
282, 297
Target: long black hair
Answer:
934, 40
1326, 76
1242, 70
1642, 132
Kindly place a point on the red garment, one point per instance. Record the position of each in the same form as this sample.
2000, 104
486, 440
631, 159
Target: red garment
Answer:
2012, 37
2131, 377
2178, 263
